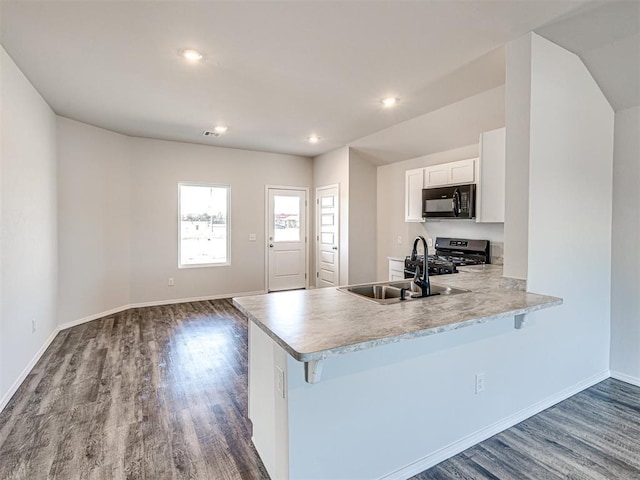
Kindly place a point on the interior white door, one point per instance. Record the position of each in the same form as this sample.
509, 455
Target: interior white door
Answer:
287, 220
328, 237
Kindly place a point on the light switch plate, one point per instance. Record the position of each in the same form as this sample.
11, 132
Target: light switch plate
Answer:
252, 237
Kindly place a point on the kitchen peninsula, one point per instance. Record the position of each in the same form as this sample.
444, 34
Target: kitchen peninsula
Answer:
343, 387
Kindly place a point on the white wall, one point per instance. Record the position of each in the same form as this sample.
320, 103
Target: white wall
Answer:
94, 233
28, 225
119, 219
329, 169
390, 212
362, 219
518, 128
156, 169
625, 272
570, 165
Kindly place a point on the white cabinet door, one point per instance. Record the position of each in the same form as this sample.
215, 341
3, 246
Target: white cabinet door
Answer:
490, 192
396, 269
436, 176
462, 171
452, 173
413, 184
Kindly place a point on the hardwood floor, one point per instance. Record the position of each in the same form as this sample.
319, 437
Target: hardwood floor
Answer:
161, 393
592, 435
152, 393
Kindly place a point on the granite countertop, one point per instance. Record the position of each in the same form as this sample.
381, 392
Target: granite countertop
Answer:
316, 324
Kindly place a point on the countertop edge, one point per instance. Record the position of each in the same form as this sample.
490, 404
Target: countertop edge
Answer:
323, 354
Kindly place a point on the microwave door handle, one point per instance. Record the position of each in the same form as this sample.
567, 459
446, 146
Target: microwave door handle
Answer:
455, 202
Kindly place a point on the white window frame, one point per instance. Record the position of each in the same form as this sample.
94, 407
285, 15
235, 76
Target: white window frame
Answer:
204, 184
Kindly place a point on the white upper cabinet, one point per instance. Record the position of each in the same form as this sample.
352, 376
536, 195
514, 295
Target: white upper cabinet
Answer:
490, 196
436, 176
453, 173
413, 184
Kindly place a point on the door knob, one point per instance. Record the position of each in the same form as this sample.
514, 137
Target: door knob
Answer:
335, 248
271, 245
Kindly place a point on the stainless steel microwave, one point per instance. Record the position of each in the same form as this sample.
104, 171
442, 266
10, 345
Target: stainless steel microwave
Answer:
456, 201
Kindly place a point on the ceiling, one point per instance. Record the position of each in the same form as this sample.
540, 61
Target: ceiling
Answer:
277, 72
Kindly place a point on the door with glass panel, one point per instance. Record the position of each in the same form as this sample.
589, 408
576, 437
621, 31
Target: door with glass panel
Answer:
287, 237
327, 239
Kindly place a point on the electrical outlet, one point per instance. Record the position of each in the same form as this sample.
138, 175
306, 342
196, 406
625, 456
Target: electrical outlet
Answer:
252, 237
399, 240
480, 382
33, 325
430, 242
171, 282
280, 381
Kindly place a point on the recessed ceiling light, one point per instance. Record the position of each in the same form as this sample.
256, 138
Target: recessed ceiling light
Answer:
313, 139
389, 101
221, 128
191, 55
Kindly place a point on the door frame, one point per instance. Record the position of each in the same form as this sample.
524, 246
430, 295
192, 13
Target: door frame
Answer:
266, 231
316, 245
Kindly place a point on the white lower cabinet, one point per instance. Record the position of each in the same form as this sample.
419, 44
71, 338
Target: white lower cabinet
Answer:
396, 269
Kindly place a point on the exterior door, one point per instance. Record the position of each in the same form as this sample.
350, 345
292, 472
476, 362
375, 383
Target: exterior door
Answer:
328, 237
287, 236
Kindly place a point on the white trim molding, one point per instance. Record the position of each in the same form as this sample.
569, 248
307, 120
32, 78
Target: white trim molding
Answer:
470, 440
623, 377
14, 388
23, 375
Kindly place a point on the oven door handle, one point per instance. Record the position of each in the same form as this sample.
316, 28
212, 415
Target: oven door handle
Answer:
455, 202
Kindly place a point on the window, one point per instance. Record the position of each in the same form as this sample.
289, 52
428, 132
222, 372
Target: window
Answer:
204, 225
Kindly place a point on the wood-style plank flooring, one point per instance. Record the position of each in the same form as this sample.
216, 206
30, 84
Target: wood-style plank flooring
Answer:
151, 393
161, 393
594, 435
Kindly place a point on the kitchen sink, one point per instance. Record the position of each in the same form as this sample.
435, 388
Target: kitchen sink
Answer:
389, 292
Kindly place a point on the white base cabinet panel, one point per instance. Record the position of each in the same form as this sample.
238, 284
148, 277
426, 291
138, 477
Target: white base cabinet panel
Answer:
396, 269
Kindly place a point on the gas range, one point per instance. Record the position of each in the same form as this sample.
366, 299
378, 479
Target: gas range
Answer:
450, 254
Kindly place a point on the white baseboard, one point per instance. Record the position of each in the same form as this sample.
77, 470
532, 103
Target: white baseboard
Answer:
14, 388
623, 377
90, 318
5, 399
470, 440
194, 299
156, 303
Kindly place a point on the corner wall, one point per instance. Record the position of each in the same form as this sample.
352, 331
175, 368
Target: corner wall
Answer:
93, 217
568, 209
156, 169
28, 226
362, 219
625, 271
